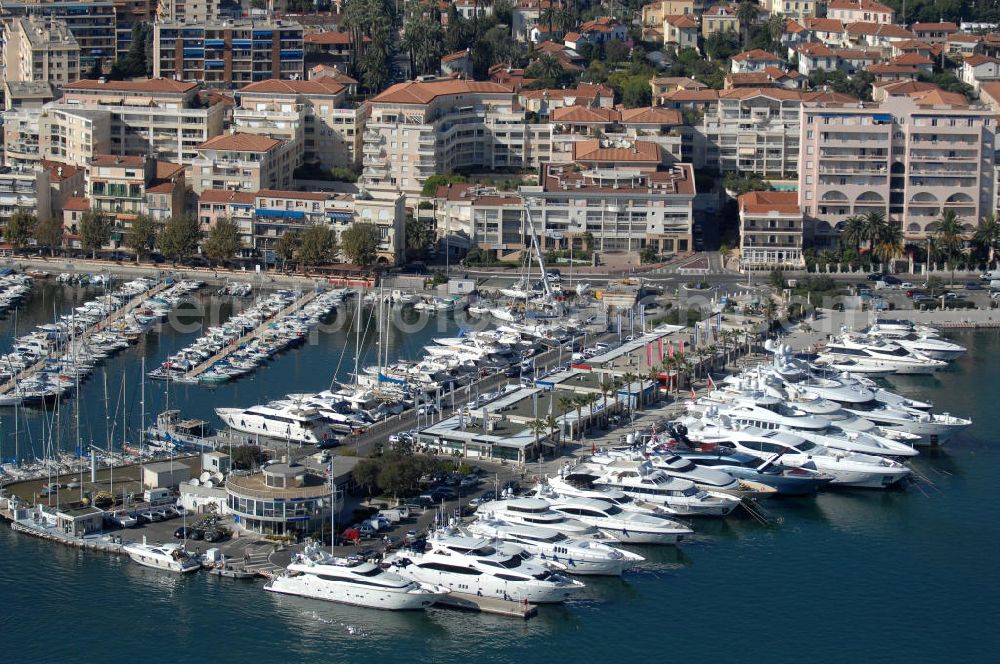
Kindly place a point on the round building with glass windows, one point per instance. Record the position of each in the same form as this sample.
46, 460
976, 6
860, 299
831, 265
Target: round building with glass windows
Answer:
286, 500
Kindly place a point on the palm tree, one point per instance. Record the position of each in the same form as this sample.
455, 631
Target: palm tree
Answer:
746, 14
629, 378
852, 232
566, 405
552, 424
654, 377
874, 223
607, 387
537, 427
987, 236
579, 401
776, 27
888, 243
949, 234
591, 399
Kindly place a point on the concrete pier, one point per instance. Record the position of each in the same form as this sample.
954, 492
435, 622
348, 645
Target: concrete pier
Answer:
494, 605
112, 318
256, 332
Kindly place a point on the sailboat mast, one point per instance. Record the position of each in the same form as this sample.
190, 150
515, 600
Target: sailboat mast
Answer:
357, 338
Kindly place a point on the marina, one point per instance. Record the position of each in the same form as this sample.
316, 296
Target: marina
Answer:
590, 441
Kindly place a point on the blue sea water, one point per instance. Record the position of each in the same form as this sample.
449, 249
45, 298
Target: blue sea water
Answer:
849, 576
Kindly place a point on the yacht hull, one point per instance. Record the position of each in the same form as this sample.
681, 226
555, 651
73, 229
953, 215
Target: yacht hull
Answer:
313, 587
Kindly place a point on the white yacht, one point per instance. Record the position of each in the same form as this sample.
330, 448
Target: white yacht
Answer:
674, 495
171, 557
921, 342
862, 442
613, 521
317, 574
930, 427
580, 556
534, 512
282, 421
847, 468
478, 566
878, 353
673, 465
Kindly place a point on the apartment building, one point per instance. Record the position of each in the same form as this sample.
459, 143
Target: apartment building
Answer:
40, 49
619, 194
865, 11
24, 190
570, 125
244, 162
911, 158
26, 94
419, 128
66, 135
92, 23
315, 112
793, 9
264, 216
228, 53
771, 230
187, 11
123, 188
150, 116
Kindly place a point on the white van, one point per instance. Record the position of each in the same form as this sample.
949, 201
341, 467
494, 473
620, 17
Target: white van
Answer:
991, 276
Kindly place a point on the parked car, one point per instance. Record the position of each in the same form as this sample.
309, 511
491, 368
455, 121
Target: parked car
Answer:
875, 276
973, 285
890, 280
921, 297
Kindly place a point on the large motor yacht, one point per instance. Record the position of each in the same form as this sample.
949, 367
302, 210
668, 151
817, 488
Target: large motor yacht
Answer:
581, 556
282, 421
317, 574
479, 566
171, 557
879, 353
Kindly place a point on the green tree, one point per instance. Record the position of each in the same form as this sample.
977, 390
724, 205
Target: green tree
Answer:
360, 244
287, 246
423, 39
949, 236
223, 241
777, 280
615, 51
134, 63
247, 457
95, 231
49, 234
19, 229
179, 237
636, 93
140, 237
547, 70
746, 15
372, 27
419, 236
987, 236
886, 238
596, 72
318, 245
852, 232
432, 183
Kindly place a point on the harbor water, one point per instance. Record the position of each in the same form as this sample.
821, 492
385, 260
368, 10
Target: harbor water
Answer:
902, 575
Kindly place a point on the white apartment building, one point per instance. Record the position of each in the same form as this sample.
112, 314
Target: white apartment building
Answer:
912, 158
244, 162
770, 230
25, 190
419, 128
39, 48
187, 11
67, 135
150, 116
313, 112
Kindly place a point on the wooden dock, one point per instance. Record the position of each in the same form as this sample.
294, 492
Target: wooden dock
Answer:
134, 304
494, 605
257, 331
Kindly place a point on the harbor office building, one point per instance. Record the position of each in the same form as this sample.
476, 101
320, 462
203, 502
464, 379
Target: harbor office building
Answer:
284, 499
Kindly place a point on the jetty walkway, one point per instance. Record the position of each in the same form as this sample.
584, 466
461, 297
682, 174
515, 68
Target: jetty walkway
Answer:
256, 332
113, 317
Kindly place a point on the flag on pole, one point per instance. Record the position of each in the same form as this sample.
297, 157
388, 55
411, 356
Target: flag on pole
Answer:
649, 354
642, 318
697, 328
659, 349
680, 346
619, 326
693, 395
711, 383
670, 349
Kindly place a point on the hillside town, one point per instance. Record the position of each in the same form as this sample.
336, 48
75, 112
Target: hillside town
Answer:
779, 133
